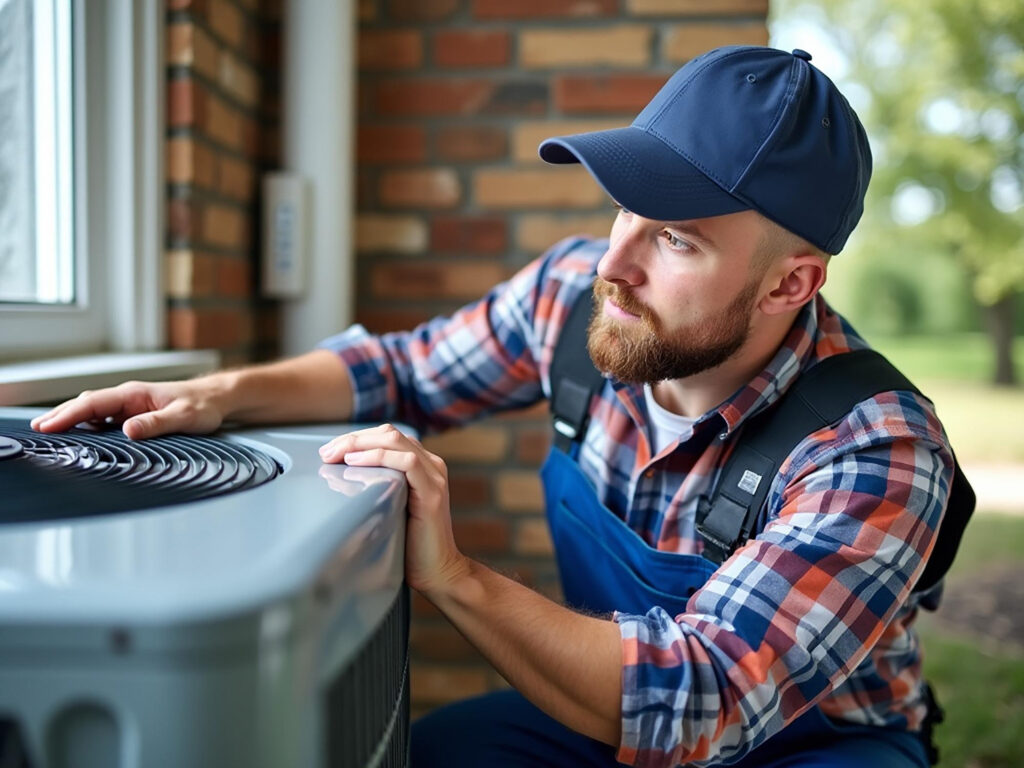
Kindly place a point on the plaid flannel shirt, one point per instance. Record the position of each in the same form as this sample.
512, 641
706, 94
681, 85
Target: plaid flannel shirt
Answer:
816, 609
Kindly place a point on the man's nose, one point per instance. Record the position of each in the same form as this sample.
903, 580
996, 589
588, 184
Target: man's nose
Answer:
622, 263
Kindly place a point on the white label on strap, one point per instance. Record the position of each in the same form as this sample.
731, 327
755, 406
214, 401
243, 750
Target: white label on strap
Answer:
749, 482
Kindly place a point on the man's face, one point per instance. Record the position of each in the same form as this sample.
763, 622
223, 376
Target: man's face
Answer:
674, 299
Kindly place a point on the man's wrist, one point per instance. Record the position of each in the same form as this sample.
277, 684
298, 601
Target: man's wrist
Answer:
457, 584
224, 391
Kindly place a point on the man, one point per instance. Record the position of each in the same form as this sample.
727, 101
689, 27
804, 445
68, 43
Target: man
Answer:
736, 184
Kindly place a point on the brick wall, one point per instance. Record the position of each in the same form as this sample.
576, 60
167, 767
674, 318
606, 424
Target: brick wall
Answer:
223, 62
454, 96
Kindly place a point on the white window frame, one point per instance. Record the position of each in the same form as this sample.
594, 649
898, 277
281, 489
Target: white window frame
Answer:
119, 192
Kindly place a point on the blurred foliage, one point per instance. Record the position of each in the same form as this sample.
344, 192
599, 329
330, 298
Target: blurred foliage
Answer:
939, 85
981, 687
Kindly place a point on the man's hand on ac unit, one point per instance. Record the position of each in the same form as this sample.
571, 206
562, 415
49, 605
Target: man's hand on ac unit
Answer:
432, 560
141, 409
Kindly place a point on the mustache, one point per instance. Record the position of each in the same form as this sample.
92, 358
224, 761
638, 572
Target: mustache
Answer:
621, 298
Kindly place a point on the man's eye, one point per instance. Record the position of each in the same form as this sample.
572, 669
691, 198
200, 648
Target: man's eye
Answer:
676, 242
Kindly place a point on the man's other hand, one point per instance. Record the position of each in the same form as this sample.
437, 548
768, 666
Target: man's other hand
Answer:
432, 561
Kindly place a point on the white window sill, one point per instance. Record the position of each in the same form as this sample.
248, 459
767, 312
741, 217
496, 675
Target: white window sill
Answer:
44, 381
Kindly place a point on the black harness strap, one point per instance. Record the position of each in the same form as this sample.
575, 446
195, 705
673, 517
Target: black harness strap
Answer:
818, 398
574, 379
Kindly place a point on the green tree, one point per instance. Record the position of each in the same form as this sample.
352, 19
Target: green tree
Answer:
940, 87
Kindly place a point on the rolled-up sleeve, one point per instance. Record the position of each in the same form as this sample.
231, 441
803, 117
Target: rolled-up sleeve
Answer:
853, 517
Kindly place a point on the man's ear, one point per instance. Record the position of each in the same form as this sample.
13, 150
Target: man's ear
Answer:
795, 280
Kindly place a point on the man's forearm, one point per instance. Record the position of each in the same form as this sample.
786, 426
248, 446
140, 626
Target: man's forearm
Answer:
312, 387
566, 663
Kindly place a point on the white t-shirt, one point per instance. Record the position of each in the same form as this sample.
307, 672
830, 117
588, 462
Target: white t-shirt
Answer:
666, 427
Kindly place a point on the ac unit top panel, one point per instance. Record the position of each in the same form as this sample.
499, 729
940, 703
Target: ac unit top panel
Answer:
215, 556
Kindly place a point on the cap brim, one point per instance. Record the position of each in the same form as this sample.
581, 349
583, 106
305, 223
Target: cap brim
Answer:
643, 174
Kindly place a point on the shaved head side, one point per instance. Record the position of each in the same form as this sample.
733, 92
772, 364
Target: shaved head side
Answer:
777, 241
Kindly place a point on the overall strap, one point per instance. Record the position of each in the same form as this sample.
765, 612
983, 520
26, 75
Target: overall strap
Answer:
574, 379
820, 397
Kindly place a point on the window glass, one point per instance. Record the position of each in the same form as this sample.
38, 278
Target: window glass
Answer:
36, 179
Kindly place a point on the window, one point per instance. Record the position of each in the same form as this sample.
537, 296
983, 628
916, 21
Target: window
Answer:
36, 222
81, 177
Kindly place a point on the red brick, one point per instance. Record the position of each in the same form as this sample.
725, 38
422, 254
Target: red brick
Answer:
391, 144
189, 274
234, 277
533, 537
226, 125
421, 10
697, 7
471, 142
536, 233
685, 41
238, 80
226, 21
389, 49
430, 96
185, 102
469, 489
446, 684
204, 165
606, 93
538, 412
390, 233
190, 328
388, 320
439, 641
462, 280
420, 188
532, 445
181, 218
520, 491
620, 45
528, 134
474, 444
471, 48
529, 9
543, 188
180, 160
367, 10
195, 6
469, 234
481, 535
423, 607
224, 226
236, 179
181, 328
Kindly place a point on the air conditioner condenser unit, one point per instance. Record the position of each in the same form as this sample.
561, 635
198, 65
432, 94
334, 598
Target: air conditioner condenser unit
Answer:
199, 602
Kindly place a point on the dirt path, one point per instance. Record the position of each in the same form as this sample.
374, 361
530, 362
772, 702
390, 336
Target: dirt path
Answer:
1000, 487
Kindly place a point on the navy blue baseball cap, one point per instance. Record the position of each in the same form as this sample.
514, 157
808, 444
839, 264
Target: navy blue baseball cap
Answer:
737, 128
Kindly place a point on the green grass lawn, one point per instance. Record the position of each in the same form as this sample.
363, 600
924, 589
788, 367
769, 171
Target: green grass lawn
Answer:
981, 689
984, 423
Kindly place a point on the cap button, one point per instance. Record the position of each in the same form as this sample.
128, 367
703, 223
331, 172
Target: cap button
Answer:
800, 53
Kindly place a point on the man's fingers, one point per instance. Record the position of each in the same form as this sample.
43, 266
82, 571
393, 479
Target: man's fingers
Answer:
92, 406
385, 435
178, 416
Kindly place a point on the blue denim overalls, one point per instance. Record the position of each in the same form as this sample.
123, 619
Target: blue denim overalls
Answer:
606, 566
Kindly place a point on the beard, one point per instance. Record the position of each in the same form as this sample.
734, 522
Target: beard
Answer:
642, 351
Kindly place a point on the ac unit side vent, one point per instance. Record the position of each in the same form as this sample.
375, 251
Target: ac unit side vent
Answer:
367, 705
81, 472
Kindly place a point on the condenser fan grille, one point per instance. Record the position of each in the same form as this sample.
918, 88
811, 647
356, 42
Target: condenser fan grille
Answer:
85, 472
